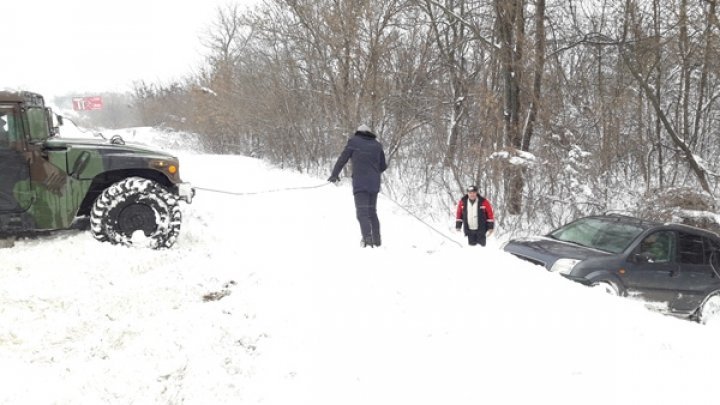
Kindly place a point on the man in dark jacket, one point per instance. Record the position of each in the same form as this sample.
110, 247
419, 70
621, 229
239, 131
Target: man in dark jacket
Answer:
368, 163
475, 216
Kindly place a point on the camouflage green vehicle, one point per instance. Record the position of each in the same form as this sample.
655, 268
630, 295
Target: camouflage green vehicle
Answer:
129, 193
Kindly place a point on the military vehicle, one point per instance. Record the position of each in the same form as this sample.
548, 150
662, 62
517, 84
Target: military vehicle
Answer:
130, 194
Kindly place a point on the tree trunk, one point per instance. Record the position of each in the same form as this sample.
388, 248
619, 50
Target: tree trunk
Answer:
510, 25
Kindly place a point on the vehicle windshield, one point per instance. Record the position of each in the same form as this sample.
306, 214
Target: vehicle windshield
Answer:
608, 235
39, 129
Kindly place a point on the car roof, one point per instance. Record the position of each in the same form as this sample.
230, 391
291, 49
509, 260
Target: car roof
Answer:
683, 227
626, 219
647, 225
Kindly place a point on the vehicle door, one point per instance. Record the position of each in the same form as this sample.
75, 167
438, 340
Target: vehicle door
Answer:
56, 202
16, 194
696, 276
651, 269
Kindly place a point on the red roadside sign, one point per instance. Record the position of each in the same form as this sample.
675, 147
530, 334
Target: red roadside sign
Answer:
87, 103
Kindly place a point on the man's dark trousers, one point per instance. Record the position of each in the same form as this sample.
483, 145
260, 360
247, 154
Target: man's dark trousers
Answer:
476, 237
366, 208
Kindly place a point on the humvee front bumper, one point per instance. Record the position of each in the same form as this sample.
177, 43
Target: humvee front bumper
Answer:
186, 192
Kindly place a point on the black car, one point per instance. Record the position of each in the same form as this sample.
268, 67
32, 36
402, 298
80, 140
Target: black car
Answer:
673, 265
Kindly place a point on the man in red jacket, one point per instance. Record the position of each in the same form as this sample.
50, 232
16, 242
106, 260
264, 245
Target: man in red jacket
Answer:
475, 217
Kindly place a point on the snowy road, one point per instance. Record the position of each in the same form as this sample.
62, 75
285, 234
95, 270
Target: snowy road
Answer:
268, 298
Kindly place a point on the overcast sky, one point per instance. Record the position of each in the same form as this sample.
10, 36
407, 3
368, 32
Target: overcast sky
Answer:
59, 47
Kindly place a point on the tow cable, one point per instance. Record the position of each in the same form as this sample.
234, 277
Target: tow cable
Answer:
212, 190
423, 222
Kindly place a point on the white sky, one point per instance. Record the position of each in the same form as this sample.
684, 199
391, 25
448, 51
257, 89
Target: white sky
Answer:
310, 318
61, 47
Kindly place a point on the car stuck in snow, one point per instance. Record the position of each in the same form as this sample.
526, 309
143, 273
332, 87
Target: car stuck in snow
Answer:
673, 266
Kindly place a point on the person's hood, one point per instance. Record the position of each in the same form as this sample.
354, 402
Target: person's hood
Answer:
368, 135
364, 130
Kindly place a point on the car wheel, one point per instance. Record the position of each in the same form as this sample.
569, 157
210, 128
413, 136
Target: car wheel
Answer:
136, 204
608, 287
710, 309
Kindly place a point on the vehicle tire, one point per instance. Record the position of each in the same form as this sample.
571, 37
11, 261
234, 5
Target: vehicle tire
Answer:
136, 204
710, 309
607, 287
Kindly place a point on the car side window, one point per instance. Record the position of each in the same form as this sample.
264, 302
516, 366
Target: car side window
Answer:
658, 247
4, 130
10, 131
711, 251
691, 249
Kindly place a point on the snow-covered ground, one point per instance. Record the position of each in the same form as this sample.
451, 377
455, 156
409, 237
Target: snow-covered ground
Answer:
267, 298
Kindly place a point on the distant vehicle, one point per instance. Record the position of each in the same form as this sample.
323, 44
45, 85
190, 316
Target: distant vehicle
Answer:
47, 182
673, 265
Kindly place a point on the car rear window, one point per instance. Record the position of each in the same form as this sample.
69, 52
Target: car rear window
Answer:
597, 233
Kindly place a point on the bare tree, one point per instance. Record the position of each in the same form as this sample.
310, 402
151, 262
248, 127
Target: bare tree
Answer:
633, 55
611, 98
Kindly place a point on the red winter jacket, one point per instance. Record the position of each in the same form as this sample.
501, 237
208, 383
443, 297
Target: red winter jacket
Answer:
486, 218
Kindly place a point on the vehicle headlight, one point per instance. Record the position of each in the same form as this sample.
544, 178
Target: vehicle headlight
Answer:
564, 266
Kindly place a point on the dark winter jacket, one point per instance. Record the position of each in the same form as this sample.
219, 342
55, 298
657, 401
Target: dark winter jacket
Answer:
486, 218
368, 162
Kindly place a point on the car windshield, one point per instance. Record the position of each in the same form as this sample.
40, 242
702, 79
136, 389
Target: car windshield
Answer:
608, 235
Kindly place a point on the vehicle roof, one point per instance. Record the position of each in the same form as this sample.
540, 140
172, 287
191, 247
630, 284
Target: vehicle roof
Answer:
626, 219
646, 224
683, 227
17, 96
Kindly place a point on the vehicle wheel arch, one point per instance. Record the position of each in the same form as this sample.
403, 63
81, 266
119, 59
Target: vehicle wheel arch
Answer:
697, 314
604, 276
107, 179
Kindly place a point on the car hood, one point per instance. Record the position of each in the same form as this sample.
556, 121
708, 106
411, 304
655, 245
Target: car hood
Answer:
105, 145
545, 251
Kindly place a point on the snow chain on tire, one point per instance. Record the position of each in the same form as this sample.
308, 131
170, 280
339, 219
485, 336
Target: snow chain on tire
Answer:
136, 204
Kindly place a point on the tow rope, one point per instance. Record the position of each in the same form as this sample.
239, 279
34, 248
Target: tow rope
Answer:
212, 190
423, 222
